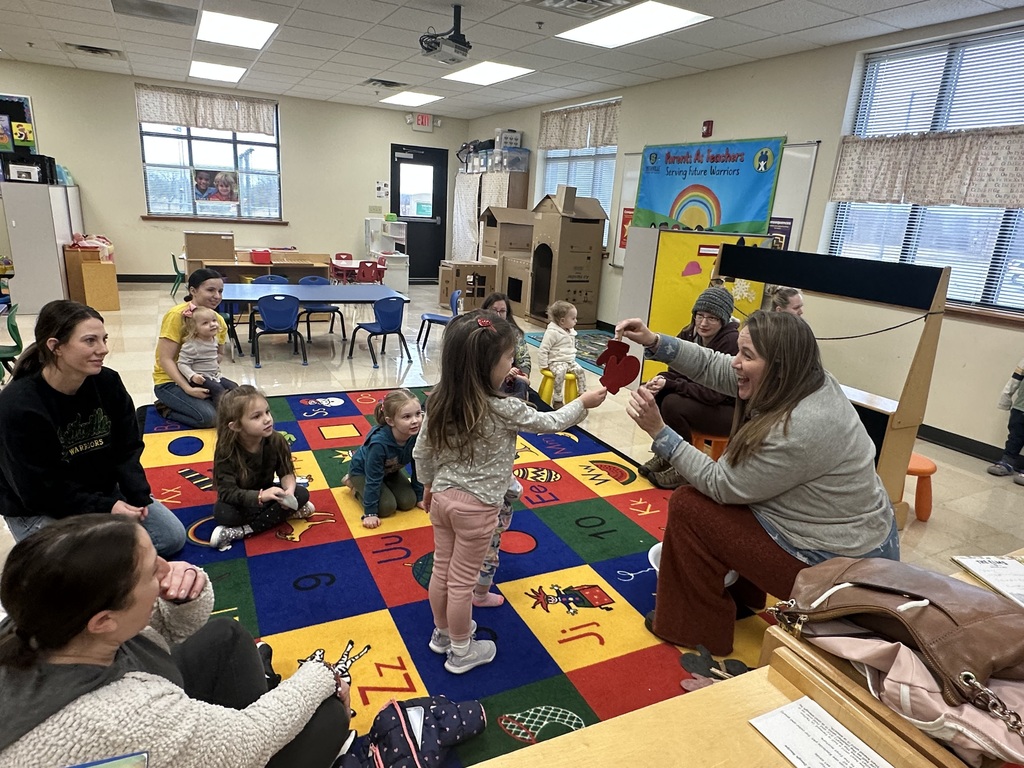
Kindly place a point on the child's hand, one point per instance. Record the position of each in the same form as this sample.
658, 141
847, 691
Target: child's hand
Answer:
656, 384
197, 380
593, 397
197, 392
427, 496
273, 493
371, 521
126, 509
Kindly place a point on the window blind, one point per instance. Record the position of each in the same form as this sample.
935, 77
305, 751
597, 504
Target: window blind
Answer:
954, 85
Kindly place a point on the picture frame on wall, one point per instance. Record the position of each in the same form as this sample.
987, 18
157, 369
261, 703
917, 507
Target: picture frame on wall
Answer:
17, 124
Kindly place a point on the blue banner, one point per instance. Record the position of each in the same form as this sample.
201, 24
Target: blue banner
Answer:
723, 187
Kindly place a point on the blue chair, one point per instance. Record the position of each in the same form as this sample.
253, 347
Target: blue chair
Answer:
388, 320
10, 352
263, 280
278, 314
428, 319
313, 308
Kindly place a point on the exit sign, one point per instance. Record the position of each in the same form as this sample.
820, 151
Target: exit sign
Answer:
423, 122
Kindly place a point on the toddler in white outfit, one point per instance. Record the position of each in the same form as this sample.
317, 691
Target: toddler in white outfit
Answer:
558, 350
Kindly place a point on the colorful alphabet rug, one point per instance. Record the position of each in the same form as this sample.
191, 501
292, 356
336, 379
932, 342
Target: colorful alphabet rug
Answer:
572, 647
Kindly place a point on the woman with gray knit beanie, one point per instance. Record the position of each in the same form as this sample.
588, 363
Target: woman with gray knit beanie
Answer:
685, 405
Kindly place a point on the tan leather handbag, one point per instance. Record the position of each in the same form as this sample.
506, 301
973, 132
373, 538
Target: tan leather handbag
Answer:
964, 634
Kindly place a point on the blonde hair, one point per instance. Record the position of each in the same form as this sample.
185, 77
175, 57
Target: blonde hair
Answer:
559, 309
792, 371
472, 345
391, 404
230, 179
780, 296
233, 405
192, 321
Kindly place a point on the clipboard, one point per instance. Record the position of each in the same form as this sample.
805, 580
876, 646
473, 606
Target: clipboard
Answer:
1001, 573
134, 760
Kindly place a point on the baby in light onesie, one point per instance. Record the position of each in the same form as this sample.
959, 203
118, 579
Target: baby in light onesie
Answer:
558, 350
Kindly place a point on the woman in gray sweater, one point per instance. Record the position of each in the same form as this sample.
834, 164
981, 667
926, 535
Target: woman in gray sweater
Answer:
796, 485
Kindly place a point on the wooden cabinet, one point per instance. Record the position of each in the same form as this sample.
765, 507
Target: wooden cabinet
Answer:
91, 281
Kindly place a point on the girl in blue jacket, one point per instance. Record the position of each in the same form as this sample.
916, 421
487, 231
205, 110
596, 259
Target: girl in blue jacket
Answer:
376, 476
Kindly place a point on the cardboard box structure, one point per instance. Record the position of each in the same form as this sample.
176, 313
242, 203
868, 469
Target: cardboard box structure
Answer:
476, 280
562, 259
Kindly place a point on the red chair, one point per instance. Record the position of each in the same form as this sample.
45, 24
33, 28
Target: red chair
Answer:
343, 268
368, 272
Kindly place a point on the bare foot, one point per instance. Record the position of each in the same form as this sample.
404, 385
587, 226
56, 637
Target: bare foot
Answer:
421, 505
371, 521
487, 600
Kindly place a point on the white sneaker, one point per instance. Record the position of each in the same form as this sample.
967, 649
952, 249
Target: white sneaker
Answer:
440, 641
303, 512
480, 652
224, 535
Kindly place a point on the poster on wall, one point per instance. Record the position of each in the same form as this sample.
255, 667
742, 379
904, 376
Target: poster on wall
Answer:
726, 186
17, 129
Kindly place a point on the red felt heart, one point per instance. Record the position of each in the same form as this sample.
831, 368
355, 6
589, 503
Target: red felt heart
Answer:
616, 350
619, 372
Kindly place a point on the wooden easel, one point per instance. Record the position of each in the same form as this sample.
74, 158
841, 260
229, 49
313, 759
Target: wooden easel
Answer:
891, 424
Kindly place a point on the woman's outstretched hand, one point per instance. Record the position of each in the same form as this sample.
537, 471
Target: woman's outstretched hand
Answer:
636, 330
644, 411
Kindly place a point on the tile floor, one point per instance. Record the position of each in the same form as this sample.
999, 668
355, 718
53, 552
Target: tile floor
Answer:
973, 513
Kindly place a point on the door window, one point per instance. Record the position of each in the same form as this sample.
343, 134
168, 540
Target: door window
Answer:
416, 187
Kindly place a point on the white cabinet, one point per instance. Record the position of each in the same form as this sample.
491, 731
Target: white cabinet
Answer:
39, 220
388, 239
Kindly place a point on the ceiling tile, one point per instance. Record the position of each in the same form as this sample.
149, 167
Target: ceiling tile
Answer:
360, 10
561, 49
67, 31
378, 50
97, 64
635, 78
782, 45
73, 13
156, 50
547, 79
19, 37
716, 60
503, 37
620, 61
143, 41
525, 18
131, 24
16, 19
271, 57
528, 60
932, 12
789, 16
16, 6
718, 8
277, 69
844, 31
324, 79
425, 68
582, 71
665, 48
156, 62
418, 20
864, 7
284, 48
720, 33
314, 38
322, 22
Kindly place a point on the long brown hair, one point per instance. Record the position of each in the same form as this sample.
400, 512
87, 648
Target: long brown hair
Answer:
61, 576
472, 345
792, 371
233, 405
57, 320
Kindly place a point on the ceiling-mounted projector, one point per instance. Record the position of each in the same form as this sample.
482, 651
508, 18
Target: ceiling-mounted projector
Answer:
450, 47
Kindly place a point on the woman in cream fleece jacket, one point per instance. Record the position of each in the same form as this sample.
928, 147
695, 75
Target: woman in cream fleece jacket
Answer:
107, 651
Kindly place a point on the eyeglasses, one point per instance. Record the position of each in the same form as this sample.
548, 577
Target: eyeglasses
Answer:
700, 317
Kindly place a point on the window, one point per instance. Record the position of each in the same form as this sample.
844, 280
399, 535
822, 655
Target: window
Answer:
591, 171
206, 172
957, 85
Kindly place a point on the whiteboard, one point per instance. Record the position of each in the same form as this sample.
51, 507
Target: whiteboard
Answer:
791, 192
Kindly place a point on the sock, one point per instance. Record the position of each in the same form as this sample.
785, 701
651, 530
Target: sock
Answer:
460, 649
488, 600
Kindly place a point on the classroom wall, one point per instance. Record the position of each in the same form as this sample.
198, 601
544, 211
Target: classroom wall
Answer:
331, 157
805, 96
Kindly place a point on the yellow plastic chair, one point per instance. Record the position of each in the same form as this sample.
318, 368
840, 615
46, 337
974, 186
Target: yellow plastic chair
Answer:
547, 386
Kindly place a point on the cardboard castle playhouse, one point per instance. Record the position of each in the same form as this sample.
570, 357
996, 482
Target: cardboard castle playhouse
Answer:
552, 252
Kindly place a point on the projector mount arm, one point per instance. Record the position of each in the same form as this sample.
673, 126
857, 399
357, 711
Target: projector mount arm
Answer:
429, 40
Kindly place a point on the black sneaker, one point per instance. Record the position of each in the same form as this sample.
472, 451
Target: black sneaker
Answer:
652, 465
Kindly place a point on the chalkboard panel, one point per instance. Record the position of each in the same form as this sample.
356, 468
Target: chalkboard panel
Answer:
901, 285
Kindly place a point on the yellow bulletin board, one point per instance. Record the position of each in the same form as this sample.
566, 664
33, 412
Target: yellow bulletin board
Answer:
683, 269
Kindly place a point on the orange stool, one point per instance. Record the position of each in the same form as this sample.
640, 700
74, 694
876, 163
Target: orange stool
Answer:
718, 444
922, 468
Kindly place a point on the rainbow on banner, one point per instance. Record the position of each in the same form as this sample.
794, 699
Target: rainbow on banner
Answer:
697, 207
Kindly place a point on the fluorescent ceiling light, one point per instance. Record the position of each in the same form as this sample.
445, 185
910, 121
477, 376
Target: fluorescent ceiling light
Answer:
207, 71
234, 30
411, 99
487, 73
648, 19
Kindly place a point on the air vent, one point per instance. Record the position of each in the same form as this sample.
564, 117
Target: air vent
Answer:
147, 9
376, 82
92, 50
582, 9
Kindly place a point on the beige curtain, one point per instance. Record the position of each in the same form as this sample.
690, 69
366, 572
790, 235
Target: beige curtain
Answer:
981, 167
199, 109
591, 125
